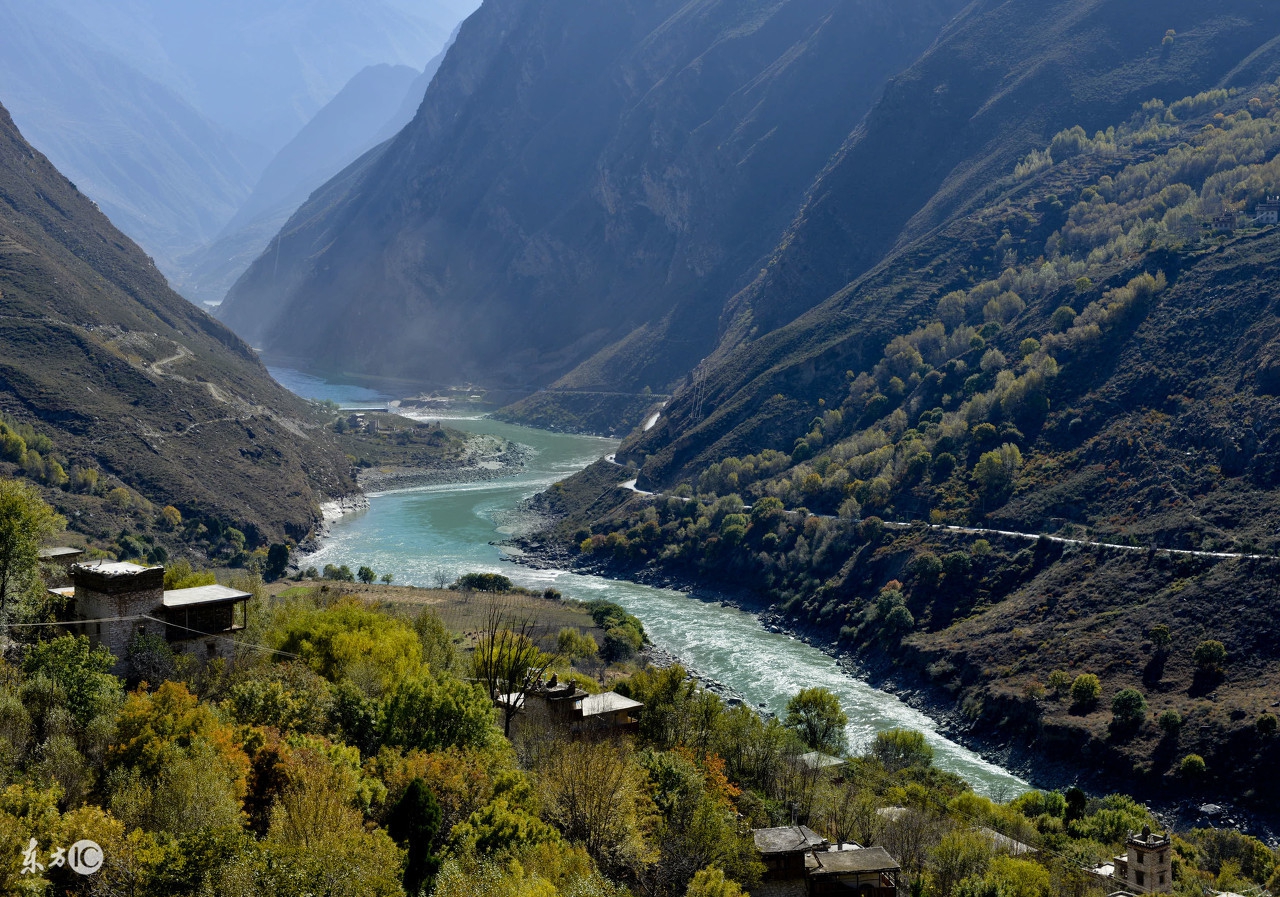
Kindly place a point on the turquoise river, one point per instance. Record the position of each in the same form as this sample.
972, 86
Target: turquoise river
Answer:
434, 533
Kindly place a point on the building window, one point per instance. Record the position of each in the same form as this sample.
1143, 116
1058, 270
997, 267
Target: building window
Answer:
1141, 879
1161, 878
1140, 859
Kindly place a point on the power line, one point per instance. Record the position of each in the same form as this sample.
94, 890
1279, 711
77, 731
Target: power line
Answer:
199, 632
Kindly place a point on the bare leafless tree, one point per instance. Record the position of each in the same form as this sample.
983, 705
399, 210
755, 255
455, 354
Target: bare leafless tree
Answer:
508, 661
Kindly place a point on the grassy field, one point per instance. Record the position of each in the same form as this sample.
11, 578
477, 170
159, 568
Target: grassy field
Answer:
463, 613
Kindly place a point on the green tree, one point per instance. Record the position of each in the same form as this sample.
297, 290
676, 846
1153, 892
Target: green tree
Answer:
82, 671
1170, 720
816, 716
431, 714
996, 470
366, 575
499, 827
438, 651
710, 882
1059, 682
901, 748
1085, 690
1161, 638
414, 823
26, 523
1210, 655
1128, 708
1192, 766
277, 560
483, 582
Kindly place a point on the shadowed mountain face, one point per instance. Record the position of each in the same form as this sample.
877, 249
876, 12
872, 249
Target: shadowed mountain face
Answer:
373, 106
97, 353
940, 144
579, 192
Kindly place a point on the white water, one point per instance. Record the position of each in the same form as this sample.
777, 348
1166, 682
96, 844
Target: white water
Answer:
444, 531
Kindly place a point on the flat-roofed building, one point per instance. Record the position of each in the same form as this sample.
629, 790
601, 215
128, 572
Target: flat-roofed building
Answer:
572, 708
112, 602
784, 848
866, 871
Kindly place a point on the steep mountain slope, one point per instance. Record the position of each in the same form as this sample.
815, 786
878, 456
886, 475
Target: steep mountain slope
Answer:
577, 186
961, 117
124, 377
1090, 354
938, 146
369, 109
158, 168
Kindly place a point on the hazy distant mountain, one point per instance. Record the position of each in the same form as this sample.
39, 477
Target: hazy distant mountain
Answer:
579, 182
167, 113
264, 69
124, 375
158, 168
373, 106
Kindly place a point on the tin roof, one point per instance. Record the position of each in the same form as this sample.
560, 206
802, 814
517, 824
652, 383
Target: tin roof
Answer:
203, 595
609, 702
868, 859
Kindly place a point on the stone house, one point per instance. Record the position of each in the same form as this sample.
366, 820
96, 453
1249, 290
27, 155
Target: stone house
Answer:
1145, 867
867, 871
801, 863
1224, 222
113, 601
1267, 212
568, 706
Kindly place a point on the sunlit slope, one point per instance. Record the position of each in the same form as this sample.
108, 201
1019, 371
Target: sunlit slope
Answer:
126, 376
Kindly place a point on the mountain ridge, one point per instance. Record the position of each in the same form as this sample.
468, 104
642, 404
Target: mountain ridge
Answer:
465, 246
127, 379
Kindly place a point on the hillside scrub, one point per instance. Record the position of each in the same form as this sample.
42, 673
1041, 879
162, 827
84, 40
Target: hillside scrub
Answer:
1085, 356
345, 753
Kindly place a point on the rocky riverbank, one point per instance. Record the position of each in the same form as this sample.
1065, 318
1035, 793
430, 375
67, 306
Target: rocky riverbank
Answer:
487, 458
1020, 754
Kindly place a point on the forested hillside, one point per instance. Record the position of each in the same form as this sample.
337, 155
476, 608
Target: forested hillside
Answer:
1086, 356
122, 398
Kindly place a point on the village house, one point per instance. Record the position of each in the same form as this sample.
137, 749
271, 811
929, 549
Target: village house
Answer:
1144, 868
868, 871
111, 602
569, 707
801, 863
1224, 222
62, 556
1267, 212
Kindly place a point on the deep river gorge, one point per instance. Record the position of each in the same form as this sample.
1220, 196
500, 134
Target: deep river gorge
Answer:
424, 533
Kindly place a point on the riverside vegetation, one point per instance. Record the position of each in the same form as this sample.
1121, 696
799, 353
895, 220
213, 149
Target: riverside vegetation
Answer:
351, 747
1084, 355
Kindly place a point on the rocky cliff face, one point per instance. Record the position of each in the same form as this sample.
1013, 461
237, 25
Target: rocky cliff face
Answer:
579, 192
